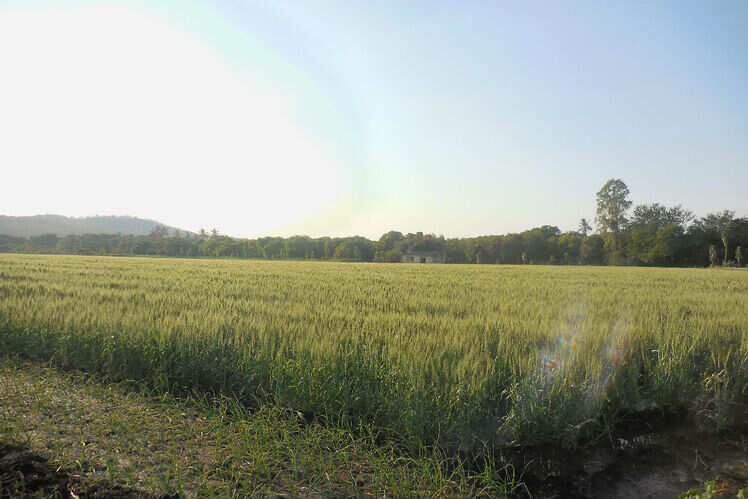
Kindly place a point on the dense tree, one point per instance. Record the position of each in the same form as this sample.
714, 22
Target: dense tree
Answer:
570, 245
655, 235
355, 248
389, 247
612, 205
716, 229
272, 247
649, 241
659, 216
298, 247
513, 248
389, 240
593, 250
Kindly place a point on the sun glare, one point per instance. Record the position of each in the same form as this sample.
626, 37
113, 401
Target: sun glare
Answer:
107, 105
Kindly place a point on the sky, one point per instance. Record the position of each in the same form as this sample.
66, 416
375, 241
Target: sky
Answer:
338, 118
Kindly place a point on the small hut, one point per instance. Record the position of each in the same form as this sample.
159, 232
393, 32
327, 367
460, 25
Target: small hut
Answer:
416, 256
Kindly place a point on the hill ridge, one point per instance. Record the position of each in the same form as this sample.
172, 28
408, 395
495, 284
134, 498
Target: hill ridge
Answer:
61, 225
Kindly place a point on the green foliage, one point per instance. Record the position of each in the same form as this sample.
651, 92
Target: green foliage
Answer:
659, 216
710, 491
592, 251
612, 205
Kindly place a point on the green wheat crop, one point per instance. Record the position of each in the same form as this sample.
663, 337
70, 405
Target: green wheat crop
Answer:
448, 355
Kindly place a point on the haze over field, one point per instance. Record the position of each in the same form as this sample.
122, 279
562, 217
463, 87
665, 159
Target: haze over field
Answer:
331, 118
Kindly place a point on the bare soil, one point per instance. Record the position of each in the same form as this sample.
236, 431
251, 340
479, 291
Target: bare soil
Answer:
25, 474
652, 466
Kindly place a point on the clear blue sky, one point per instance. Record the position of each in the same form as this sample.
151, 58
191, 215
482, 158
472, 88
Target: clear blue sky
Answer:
342, 118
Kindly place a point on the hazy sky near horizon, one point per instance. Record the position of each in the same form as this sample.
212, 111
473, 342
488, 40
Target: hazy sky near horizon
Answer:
340, 118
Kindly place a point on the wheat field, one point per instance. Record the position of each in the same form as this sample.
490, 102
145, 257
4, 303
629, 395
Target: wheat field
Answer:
445, 355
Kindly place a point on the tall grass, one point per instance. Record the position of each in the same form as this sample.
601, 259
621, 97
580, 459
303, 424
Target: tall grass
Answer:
452, 356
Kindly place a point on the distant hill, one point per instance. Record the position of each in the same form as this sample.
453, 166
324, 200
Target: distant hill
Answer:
63, 226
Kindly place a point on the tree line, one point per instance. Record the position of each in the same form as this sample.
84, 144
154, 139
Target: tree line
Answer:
650, 234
